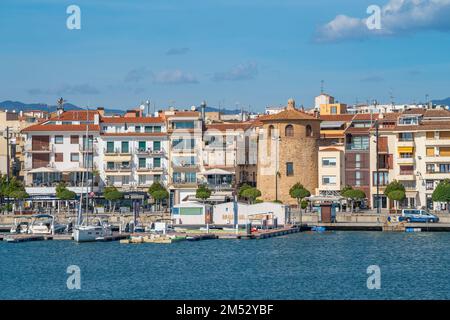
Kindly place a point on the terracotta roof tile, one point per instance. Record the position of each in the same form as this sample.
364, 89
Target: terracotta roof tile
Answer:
288, 114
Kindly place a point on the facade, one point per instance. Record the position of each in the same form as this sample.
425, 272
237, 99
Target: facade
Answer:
332, 108
414, 150
331, 170
287, 153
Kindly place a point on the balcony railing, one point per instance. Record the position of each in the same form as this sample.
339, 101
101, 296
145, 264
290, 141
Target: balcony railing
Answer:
116, 152
28, 148
150, 151
150, 168
119, 168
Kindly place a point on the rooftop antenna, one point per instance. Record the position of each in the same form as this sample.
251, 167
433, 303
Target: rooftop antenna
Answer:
427, 97
321, 86
147, 103
391, 96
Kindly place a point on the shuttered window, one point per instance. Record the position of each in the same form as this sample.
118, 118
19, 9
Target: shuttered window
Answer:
430, 135
444, 152
430, 152
444, 135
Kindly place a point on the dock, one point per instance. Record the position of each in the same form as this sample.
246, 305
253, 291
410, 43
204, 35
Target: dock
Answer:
378, 226
113, 237
16, 238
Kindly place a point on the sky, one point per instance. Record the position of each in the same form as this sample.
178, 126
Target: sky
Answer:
231, 53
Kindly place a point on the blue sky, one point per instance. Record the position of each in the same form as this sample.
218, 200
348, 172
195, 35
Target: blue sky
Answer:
229, 52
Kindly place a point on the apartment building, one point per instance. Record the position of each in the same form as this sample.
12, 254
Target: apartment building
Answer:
331, 170
415, 150
62, 148
229, 155
357, 152
134, 151
185, 134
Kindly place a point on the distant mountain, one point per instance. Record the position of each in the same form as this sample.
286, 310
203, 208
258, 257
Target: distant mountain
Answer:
20, 106
445, 101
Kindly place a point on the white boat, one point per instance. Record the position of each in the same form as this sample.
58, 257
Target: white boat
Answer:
45, 224
87, 233
20, 225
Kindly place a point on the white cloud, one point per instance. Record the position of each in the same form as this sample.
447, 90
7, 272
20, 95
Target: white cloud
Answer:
174, 77
398, 17
243, 71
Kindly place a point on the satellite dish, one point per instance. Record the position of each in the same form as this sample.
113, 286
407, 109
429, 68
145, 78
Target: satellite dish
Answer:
193, 108
142, 107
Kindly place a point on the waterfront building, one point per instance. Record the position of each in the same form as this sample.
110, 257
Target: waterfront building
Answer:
331, 170
357, 152
133, 151
332, 128
287, 153
62, 148
185, 132
415, 150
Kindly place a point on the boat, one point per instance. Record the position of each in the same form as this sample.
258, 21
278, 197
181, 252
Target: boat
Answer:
91, 232
20, 225
45, 224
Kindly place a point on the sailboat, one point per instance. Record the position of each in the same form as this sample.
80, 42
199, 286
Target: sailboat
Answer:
83, 231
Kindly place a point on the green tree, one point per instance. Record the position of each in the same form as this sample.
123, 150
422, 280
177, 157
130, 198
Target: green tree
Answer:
159, 196
19, 195
112, 195
203, 193
397, 195
354, 195
299, 192
251, 194
158, 193
12, 189
442, 193
394, 186
64, 194
242, 188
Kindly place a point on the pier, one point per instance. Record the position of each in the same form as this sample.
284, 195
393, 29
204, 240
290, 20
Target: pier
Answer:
377, 226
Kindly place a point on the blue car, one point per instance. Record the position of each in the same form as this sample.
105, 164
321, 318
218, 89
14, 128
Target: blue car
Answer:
416, 215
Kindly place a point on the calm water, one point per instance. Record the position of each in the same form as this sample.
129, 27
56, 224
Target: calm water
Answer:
300, 266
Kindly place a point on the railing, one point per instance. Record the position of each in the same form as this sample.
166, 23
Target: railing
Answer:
118, 168
185, 165
185, 182
150, 151
407, 172
116, 152
88, 148
150, 168
41, 149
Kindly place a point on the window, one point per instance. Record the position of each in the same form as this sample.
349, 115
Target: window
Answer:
157, 162
183, 125
358, 143
74, 139
289, 131
357, 178
125, 148
405, 136
142, 179
191, 177
431, 168
406, 170
137, 128
329, 180
59, 139
444, 167
444, 135
271, 132
406, 155
142, 163
157, 145
125, 180
74, 157
157, 129
59, 157
309, 132
333, 110
430, 135
148, 129
183, 144
157, 178
142, 145
408, 120
328, 162
430, 151
176, 177
289, 169
383, 179
110, 165
429, 185
444, 152
110, 147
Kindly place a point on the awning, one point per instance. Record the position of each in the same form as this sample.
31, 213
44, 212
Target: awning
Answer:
43, 170
405, 149
331, 124
216, 172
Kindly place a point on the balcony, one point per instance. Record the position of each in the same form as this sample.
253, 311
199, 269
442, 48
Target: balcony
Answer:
150, 152
150, 168
437, 142
88, 148
118, 168
185, 183
405, 143
39, 149
405, 161
185, 166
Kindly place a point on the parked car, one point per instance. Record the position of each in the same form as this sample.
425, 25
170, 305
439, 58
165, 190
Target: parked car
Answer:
417, 215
